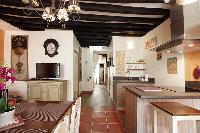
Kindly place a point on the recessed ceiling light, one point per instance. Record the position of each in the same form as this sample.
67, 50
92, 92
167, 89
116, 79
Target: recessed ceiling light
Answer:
185, 2
168, 1
168, 51
191, 45
181, 52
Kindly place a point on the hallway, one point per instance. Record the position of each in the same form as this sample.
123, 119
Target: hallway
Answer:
98, 114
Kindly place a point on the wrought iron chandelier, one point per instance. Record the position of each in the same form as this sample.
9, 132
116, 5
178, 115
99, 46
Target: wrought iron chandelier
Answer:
60, 10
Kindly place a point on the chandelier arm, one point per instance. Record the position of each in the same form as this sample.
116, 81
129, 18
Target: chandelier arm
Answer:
61, 5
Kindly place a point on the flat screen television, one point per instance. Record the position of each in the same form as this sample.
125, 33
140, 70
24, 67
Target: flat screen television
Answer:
47, 70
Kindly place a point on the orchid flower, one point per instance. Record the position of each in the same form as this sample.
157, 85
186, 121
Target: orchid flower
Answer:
5, 75
2, 85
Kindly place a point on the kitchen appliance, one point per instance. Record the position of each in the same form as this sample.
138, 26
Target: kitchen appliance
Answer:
185, 28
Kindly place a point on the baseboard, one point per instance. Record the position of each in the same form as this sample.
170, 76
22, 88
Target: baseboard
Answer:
86, 92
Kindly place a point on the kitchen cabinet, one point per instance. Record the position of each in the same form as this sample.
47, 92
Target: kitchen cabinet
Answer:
47, 90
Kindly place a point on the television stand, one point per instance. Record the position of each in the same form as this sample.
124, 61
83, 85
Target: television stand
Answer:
47, 89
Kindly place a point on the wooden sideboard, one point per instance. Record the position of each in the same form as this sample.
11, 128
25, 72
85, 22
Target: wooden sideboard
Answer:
47, 90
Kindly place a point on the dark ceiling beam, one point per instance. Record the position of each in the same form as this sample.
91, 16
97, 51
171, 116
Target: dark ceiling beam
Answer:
26, 26
122, 9
82, 24
89, 17
92, 34
94, 37
83, 44
108, 25
72, 24
104, 18
110, 8
128, 34
92, 30
94, 41
127, 1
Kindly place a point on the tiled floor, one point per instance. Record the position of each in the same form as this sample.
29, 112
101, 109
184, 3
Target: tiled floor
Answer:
98, 115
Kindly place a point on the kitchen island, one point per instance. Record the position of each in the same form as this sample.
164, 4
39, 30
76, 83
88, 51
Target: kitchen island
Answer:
119, 90
139, 111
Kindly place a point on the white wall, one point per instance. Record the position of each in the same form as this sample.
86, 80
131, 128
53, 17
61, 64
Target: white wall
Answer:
96, 68
87, 69
158, 69
120, 44
36, 54
6, 26
76, 47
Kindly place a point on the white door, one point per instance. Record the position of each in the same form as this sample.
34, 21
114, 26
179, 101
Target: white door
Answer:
76, 75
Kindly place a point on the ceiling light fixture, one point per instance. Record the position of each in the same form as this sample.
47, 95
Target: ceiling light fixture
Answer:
168, 51
180, 2
191, 45
185, 2
55, 11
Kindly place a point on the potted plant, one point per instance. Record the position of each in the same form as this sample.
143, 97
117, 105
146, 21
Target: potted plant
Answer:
6, 113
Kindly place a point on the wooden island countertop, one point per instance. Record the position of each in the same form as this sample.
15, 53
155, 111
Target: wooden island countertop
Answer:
156, 92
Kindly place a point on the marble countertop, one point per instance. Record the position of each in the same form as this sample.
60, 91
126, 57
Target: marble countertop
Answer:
163, 92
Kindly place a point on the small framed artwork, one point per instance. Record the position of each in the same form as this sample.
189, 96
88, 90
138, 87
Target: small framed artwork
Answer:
172, 65
19, 56
159, 55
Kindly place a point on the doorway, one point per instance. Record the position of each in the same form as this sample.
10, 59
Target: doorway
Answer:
101, 74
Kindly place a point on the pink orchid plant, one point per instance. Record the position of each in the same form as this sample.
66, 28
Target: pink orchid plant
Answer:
5, 75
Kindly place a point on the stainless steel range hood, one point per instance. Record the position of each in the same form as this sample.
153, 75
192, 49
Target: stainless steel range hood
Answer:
185, 26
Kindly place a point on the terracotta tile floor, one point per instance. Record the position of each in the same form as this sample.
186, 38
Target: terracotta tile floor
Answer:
100, 120
98, 114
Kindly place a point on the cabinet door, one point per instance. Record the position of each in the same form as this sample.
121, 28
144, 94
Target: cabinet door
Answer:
44, 92
54, 92
34, 91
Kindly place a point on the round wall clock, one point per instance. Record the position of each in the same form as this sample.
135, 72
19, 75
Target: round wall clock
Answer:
51, 46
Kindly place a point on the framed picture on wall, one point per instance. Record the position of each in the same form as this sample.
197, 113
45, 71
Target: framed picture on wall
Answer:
172, 65
19, 56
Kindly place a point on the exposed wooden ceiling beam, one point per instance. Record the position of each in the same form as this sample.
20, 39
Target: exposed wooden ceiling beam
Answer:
93, 44
71, 24
81, 33
128, 1
122, 9
109, 8
94, 37
87, 17
81, 24
128, 34
103, 18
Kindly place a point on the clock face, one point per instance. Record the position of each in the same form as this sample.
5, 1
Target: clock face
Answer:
51, 48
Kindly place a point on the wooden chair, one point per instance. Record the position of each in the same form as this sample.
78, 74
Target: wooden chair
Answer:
75, 116
78, 115
63, 127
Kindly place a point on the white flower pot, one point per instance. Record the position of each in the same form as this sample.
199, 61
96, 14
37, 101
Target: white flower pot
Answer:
7, 118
